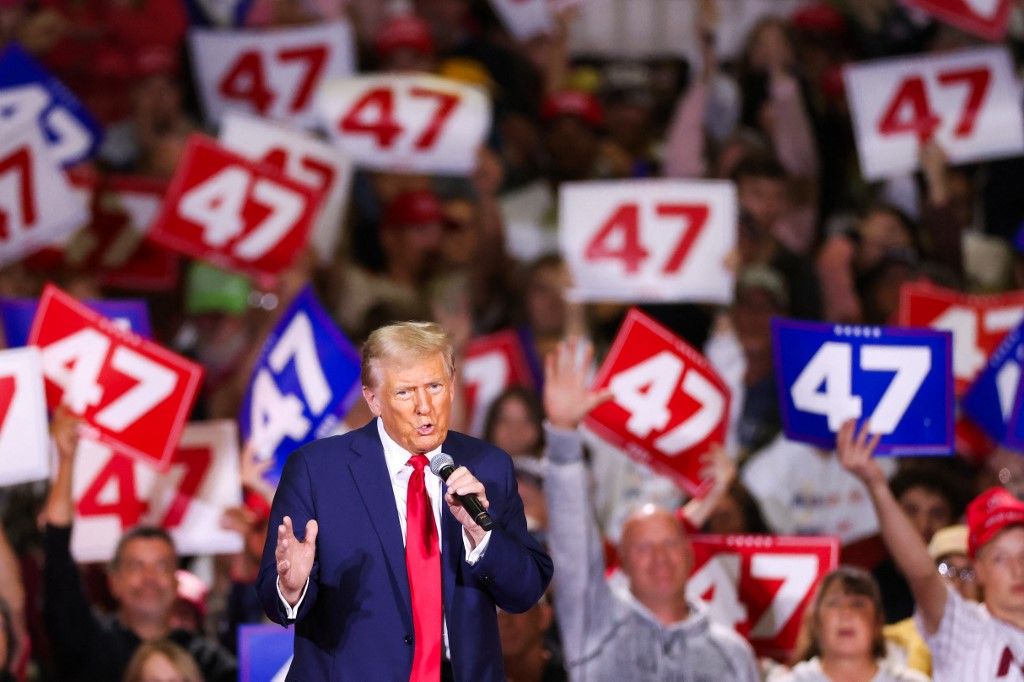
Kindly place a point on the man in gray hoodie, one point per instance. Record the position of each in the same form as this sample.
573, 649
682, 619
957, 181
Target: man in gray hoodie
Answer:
645, 629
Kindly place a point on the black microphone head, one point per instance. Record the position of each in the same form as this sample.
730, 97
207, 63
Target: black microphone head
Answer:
441, 462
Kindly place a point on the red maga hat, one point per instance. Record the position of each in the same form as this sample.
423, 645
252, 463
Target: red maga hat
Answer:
582, 105
988, 514
413, 208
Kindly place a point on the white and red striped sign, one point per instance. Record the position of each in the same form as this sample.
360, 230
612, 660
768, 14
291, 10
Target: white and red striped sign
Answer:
113, 493
274, 74
760, 584
668, 406
968, 101
38, 206
491, 364
649, 240
407, 123
302, 158
133, 394
24, 437
234, 212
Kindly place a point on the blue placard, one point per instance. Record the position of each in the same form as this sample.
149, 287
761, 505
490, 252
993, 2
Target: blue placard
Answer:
902, 379
264, 652
993, 400
304, 382
27, 90
16, 315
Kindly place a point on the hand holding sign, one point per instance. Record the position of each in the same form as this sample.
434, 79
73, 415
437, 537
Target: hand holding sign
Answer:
855, 449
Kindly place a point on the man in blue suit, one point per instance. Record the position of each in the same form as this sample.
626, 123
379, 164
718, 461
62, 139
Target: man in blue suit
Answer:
395, 586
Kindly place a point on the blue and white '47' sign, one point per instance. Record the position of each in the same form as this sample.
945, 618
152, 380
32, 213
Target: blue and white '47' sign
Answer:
901, 380
303, 384
993, 401
264, 653
16, 315
30, 92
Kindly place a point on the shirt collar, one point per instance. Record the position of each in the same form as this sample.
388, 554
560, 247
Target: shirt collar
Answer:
395, 455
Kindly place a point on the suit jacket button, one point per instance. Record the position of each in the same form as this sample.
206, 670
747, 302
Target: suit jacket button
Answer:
407, 639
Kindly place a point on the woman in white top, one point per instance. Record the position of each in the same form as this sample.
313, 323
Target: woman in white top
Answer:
841, 640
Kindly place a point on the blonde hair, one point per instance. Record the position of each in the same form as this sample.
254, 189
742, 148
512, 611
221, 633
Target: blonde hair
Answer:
852, 581
404, 341
179, 658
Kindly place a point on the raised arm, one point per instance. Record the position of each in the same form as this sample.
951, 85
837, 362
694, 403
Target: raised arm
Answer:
904, 543
720, 469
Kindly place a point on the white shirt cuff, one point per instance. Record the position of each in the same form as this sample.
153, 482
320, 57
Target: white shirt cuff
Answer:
289, 610
474, 555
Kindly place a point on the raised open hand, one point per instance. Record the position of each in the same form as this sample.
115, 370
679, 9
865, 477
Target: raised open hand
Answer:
855, 450
294, 558
566, 396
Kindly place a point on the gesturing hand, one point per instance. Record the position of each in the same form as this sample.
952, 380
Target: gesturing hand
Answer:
566, 396
855, 452
294, 558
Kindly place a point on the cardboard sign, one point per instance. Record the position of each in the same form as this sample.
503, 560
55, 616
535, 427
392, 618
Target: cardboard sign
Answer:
669, 406
649, 240
24, 431
114, 493
900, 379
273, 74
303, 383
302, 158
978, 323
525, 19
134, 394
29, 93
264, 653
760, 584
490, 365
235, 213
984, 18
993, 400
38, 206
968, 100
407, 123
17, 314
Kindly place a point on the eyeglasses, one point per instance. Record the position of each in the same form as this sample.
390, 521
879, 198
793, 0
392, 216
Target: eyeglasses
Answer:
948, 570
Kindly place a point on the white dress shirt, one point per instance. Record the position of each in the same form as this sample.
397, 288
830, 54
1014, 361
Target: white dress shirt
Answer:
399, 470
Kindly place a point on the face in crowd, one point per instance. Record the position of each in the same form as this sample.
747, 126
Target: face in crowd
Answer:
414, 399
999, 567
656, 555
142, 578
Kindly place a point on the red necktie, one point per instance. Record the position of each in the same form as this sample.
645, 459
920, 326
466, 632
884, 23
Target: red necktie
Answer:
423, 564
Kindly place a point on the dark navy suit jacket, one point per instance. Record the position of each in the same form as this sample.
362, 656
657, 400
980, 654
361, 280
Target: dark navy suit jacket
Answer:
355, 622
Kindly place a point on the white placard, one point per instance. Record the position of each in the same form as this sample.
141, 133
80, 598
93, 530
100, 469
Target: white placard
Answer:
525, 19
114, 493
24, 440
38, 206
407, 123
968, 100
649, 240
303, 158
274, 74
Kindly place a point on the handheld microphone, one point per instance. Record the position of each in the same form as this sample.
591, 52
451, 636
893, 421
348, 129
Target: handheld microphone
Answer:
443, 466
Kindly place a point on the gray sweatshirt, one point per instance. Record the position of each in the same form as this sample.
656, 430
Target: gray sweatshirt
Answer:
606, 633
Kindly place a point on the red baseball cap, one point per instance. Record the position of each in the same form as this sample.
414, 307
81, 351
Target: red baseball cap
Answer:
988, 514
404, 30
582, 105
413, 208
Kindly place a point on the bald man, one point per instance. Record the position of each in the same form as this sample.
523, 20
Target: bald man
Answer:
647, 630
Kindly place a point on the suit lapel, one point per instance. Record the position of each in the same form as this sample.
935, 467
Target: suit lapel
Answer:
370, 472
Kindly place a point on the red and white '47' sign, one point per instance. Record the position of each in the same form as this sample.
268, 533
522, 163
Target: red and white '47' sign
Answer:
135, 394
114, 493
668, 406
302, 158
273, 74
38, 206
407, 123
978, 323
649, 240
985, 18
234, 212
969, 101
760, 584
491, 364
24, 438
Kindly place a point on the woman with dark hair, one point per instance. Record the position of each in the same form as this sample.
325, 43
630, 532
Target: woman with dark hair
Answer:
841, 637
515, 421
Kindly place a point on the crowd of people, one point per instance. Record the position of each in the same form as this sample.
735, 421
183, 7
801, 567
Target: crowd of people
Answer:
931, 581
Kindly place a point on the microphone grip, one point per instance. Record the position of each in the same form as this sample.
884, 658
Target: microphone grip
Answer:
471, 504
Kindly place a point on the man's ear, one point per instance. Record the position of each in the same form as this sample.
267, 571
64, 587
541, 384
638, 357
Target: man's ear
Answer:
372, 400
